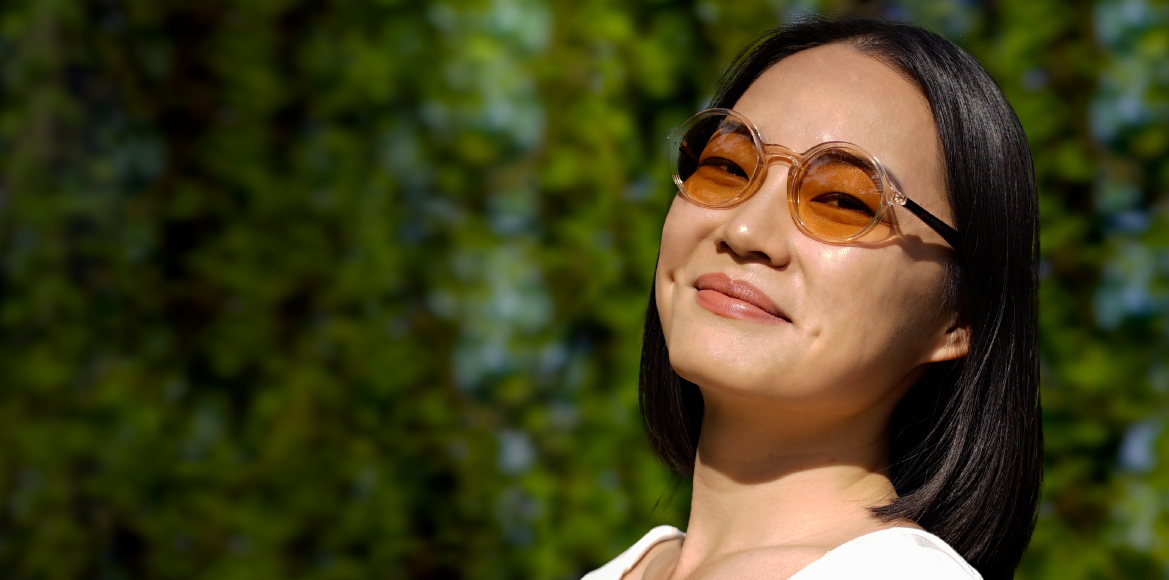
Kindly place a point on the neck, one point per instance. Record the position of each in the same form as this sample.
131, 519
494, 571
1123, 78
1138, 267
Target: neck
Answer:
766, 477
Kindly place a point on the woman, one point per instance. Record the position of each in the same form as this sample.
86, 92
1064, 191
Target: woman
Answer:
841, 351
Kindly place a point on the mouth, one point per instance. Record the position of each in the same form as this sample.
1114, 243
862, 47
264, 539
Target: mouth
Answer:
737, 299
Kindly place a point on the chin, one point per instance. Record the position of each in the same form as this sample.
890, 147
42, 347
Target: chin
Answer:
762, 376
723, 366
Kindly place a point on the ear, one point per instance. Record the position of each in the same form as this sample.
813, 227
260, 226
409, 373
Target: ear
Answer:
954, 343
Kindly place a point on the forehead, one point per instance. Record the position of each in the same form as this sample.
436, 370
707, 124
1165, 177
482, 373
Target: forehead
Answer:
836, 93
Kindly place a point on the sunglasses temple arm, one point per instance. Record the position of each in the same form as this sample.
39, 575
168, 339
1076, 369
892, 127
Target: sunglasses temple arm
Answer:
948, 233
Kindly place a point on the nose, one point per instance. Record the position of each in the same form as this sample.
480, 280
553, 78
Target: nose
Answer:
760, 228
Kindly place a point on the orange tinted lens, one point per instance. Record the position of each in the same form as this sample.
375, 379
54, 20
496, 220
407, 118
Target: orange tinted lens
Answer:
722, 160
838, 196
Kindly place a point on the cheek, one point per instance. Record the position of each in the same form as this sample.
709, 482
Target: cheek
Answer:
839, 284
872, 309
684, 229
685, 225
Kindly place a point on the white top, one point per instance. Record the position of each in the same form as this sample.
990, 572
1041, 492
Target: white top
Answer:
892, 553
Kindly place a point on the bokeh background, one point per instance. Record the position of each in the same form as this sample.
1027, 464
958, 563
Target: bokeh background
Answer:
332, 290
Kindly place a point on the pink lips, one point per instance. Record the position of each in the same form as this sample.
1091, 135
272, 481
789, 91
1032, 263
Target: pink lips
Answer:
723, 296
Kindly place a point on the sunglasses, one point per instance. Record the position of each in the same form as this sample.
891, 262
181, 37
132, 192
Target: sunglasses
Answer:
837, 192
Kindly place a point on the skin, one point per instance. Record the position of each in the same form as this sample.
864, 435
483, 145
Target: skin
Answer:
794, 442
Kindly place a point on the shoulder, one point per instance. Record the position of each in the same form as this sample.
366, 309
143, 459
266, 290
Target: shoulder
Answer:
902, 553
628, 559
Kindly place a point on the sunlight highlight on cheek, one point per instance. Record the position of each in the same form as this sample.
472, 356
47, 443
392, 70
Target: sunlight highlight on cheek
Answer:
835, 256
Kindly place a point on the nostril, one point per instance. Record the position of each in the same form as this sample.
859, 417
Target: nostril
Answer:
742, 256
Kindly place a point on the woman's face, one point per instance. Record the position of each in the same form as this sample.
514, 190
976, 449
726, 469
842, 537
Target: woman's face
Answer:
856, 324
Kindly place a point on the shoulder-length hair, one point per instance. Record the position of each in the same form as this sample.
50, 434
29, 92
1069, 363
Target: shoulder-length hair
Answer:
966, 446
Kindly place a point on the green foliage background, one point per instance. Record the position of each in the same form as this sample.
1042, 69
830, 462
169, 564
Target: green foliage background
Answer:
311, 289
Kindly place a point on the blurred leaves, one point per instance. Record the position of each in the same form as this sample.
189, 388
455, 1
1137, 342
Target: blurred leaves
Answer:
339, 290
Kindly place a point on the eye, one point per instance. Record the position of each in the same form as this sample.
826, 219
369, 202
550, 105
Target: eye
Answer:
843, 201
724, 165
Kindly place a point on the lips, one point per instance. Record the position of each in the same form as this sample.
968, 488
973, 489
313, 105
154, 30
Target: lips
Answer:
737, 299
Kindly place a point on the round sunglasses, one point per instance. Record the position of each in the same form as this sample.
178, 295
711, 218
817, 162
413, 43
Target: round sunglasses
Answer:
837, 192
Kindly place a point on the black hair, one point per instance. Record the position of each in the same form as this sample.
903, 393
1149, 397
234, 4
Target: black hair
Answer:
966, 449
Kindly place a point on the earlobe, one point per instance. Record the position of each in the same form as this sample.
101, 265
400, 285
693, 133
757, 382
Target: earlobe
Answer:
955, 344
